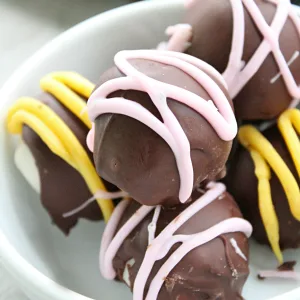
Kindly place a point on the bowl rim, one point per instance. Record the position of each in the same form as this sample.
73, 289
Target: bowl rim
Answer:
10, 258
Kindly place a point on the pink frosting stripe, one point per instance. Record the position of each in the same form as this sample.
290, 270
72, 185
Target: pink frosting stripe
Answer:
237, 73
237, 79
279, 274
139, 113
186, 63
190, 243
152, 225
107, 253
181, 35
238, 40
220, 115
108, 235
90, 138
98, 195
160, 245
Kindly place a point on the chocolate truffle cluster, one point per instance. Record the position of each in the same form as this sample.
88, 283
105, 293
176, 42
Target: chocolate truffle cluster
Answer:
152, 141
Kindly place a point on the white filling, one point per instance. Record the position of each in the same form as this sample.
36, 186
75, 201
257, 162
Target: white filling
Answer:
25, 162
126, 276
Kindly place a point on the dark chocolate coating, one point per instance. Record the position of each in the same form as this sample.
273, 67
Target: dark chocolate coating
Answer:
136, 159
211, 271
242, 183
212, 24
62, 187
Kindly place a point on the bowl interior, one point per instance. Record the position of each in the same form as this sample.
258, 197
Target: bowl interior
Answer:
73, 262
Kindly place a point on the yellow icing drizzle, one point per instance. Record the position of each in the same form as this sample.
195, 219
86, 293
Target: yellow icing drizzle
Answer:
65, 87
265, 156
266, 207
55, 133
286, 121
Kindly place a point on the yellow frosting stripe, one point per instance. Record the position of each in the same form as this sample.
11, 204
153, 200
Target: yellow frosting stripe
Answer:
264, 154
266, 207
250, 136
22, 112
69, 146
65, 87
286, 122
21, 117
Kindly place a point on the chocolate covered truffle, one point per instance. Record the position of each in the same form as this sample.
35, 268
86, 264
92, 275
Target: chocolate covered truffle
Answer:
254, 43
54, 127
197, 250
264, 179
163, 123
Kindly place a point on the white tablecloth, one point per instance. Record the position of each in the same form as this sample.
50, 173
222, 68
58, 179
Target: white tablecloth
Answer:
25, 25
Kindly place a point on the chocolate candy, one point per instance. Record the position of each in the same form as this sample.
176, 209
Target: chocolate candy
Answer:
197, 250
240, 39
62, 187
163, 124
54, 129
264, 181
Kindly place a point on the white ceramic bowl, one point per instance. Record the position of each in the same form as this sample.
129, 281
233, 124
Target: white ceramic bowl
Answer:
45, 264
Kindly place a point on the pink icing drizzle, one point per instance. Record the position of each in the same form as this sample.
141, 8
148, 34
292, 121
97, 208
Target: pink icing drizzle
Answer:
181, 35
98, 195
90, 138
110, 245
162, 244
279, 274
237, 79
218, 112
237, 74
152, 225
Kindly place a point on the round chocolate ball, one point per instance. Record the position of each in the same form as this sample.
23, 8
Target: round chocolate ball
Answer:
242, 183
62, 187
214, 270
135, 158
265, 95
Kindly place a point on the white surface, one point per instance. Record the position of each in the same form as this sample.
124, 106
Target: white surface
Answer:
32, 250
